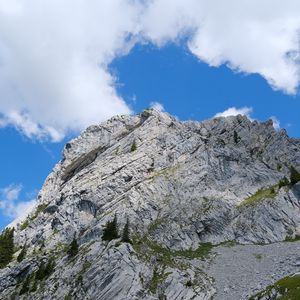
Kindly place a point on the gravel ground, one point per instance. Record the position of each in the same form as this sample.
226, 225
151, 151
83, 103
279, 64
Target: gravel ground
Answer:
242, 270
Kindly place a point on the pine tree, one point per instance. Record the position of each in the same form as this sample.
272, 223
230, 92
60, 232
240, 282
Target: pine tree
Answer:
236, 137
6, 247
295, 175
26, 286
73, 248
45, 270
40, 274
111, 230
133, 147
125, 235
22, 254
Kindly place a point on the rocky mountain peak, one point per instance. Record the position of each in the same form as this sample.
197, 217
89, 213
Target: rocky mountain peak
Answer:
138, 205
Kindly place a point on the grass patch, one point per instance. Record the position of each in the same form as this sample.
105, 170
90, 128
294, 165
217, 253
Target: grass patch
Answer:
146, 248
25, 224
167, 172
288, 288
85, 267
154, 225
201, 252
157, 278
258, 256
292, 239
260, 195
41, 208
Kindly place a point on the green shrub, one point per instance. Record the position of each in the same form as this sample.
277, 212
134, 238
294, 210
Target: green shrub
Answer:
22, 254
126, 234
236, 137
40, 209
73, 248
26, 286
283, 182
6, 247
68, 297
24, 225
111, 230
189, 283
260, 195
45, 270
287, 288
295, 175
133, 147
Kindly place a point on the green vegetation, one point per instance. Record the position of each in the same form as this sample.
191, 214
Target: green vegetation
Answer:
156, 279
201, 252
30, 284
73, 248
147, 248
294, 175
292, 239
41, 208
189, 283
126, 234
85, 267
45, 270
111, 230
288, 288
155, 224
283, 182
269, 192
236, 137
22, 254
133, 147
258, 256
25, 286
162, 297
25, 224
6, 247
68, 297
166, 172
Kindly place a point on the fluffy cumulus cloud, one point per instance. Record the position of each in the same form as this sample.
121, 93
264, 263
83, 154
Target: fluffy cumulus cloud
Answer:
233, 111
54, 55
10, 204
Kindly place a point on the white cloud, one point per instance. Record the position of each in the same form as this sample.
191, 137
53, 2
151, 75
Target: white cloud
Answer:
12, 206
276, 123
157, 106
245, 111
233, 111
54, 55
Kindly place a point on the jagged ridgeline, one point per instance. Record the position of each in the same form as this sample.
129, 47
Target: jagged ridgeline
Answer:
149, 207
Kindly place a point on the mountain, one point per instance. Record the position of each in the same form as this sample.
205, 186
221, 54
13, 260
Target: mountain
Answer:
149, 207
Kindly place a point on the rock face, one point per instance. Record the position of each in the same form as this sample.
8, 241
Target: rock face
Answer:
184, 188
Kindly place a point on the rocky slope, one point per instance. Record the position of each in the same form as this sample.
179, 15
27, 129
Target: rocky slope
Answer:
187, 189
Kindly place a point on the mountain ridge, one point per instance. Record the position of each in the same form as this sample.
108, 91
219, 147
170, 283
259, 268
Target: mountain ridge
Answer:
183, 187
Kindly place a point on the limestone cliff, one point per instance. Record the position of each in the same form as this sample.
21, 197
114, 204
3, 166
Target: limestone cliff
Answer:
185, 190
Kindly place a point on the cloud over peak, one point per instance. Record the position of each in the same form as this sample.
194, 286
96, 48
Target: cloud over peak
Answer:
10, 204
54, 55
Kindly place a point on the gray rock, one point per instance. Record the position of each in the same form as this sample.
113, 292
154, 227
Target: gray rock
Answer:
185, 185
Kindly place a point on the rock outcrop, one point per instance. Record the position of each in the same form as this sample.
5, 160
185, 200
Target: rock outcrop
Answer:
183, 188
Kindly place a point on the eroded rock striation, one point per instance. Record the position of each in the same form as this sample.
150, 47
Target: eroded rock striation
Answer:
182, 188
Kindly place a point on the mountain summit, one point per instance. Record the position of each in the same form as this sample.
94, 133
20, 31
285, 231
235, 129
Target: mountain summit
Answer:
149, 207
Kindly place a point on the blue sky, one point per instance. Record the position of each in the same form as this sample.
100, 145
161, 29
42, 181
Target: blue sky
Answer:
89, 60
171, 76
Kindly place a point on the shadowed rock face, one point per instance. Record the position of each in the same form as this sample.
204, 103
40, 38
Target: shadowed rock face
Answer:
185, 186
